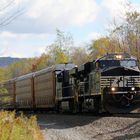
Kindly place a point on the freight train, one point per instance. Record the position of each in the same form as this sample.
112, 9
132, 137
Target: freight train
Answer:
108, 84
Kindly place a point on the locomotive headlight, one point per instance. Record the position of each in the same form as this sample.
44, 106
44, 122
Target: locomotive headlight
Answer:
132, 88
119, 56
113, 89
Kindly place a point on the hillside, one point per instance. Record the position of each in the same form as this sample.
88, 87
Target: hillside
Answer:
4, 61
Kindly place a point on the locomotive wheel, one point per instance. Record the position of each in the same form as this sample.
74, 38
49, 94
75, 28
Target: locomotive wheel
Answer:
123, 102
121, 106
72, 106
97, 104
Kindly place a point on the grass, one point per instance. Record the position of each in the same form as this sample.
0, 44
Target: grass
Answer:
18, 128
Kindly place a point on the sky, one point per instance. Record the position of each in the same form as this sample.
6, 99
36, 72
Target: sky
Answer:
35, 22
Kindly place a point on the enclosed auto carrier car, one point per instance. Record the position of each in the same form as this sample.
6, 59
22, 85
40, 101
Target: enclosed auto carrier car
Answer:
34, 90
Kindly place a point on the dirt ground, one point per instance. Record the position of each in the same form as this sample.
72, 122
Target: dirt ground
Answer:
89, 127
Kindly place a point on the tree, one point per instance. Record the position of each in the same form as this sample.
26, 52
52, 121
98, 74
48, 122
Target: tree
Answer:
123, 36
3, 75
59, 51
100, 47
57, 55
127, 33
19, 68
79, 55
39, 63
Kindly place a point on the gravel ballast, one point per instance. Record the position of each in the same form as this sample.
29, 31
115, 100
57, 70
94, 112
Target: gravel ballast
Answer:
85, 127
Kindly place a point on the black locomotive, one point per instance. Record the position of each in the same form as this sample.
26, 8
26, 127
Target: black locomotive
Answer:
110, 83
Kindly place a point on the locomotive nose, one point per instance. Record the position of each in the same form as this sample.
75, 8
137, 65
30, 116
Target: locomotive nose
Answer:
122, 94
120, 71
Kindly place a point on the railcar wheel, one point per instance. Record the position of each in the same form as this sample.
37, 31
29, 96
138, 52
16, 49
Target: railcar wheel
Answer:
80, 106
58, 107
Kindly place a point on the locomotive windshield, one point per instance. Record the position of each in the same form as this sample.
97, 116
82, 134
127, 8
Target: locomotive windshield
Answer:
116, 60
113, 63
128, 63
108, 63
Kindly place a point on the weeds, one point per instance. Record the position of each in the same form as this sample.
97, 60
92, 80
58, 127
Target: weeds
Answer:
18, 128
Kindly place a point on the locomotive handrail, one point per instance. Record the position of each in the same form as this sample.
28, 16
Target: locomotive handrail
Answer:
84, 82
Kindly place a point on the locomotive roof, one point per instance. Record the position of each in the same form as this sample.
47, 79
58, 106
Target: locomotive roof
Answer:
87, 64
112, 56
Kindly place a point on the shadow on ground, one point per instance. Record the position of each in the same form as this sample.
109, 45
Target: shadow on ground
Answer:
119, 127
63, 121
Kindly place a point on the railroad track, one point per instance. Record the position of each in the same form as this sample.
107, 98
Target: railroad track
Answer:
125, 115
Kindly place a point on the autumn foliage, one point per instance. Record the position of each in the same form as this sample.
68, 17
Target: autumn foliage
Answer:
18, 128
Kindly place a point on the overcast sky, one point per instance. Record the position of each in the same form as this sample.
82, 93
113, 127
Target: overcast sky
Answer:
37, 20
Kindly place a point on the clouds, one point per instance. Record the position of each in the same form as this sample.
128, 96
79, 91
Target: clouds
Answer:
21, 51
72, 12
94, 36
115, 8
45, 16
22, 45
28, 34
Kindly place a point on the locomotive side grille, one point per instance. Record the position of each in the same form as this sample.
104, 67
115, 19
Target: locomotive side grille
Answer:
106, 81
135, 80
